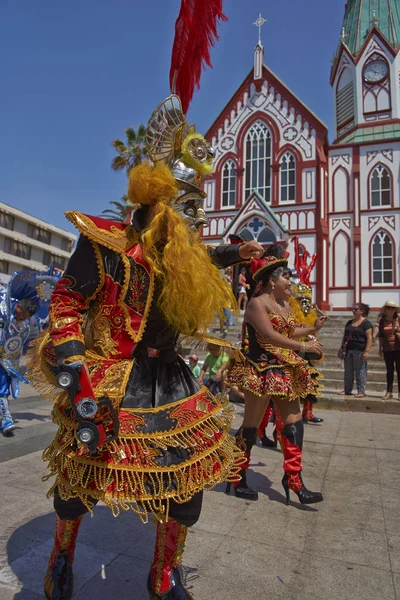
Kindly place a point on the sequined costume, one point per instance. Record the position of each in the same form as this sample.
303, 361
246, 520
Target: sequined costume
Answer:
104, 310
266, 370
25, 298
109, 313
273, 373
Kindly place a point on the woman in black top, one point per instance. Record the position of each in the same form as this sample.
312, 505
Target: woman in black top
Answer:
389, 345
357, 340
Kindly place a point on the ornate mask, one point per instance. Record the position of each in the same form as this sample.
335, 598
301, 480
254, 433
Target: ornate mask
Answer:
169, 138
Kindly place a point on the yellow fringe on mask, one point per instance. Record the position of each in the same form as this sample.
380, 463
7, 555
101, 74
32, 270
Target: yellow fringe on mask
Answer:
204, 168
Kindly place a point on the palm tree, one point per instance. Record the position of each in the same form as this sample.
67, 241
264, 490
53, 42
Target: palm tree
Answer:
133, 152
121, 211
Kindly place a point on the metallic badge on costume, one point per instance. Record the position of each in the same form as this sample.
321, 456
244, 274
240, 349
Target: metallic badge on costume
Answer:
12, 346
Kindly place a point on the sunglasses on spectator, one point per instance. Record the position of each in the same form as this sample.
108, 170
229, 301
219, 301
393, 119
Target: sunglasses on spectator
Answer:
356, 308
390, 307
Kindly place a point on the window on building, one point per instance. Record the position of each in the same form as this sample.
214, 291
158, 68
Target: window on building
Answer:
381, 187
66, 244
288, 178
16, 248
50, 259
4, 266
39, 233
382, 259
229, 184
345, 98
258, 149
6, 221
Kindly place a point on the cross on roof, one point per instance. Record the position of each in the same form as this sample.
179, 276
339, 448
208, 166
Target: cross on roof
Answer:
259, 23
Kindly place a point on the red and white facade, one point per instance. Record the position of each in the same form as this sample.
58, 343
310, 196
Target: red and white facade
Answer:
276, 177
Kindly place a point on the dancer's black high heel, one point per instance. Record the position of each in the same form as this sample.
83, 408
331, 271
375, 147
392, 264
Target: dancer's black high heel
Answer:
245, 439
242, 490
304, 495
266, 442
292, 446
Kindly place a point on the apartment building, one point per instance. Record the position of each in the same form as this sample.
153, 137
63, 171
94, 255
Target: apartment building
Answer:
30, 243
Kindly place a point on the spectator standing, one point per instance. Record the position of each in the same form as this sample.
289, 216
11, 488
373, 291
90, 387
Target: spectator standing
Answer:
194, 367
389, 345
243, 286
357, 341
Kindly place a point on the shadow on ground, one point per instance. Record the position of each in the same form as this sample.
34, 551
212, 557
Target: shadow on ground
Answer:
112, 559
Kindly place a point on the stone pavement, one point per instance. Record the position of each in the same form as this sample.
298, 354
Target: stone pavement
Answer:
346, 548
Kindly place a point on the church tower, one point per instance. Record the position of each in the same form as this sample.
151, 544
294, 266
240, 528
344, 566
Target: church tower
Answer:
364, 159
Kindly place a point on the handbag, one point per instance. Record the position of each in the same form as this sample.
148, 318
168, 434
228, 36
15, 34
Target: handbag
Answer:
343, 348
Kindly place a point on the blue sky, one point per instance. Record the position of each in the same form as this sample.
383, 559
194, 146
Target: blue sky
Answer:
74, 74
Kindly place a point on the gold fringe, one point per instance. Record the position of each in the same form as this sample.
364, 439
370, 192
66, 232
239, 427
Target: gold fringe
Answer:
201, 342
140, 485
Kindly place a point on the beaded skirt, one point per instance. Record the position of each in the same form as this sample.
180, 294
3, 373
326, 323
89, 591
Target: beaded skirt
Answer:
278, 373
163, 453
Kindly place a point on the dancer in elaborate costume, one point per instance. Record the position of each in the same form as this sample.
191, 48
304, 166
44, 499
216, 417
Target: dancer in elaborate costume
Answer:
305, 314
269, 367
26, 294
142, 434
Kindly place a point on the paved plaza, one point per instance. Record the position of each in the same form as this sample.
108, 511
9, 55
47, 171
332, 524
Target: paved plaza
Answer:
346, 548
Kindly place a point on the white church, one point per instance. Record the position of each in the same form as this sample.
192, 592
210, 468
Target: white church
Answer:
276, 175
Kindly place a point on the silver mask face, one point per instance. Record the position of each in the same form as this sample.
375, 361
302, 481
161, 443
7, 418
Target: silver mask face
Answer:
190, 200
189, 205
305, 305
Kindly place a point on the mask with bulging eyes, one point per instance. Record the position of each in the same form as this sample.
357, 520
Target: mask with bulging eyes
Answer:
305, 305
190, 201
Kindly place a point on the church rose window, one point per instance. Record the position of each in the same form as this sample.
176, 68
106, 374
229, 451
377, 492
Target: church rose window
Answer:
381, 187
288, 178
382, 259
258, 149
229, 184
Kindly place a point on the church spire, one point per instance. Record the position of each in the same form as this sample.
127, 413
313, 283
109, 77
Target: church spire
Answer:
259, 49
361, 16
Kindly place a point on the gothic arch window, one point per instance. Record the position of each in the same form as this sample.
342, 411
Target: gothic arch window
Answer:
258, 154
382, 259
380, 187
288, 178
266, 236
229, 184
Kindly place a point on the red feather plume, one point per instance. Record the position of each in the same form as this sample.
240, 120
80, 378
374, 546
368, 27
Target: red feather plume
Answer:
195, 34
300, 262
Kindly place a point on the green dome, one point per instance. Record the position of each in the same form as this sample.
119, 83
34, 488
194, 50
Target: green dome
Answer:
360, 15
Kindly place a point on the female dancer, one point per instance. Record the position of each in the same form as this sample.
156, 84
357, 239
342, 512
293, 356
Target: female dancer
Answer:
270, 368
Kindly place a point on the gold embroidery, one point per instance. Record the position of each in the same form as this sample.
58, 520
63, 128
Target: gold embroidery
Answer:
116, 239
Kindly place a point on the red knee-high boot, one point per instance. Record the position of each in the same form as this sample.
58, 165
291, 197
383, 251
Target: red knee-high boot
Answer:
308, 416
245, 439
164, 579
265, 441
292, 442
58, 581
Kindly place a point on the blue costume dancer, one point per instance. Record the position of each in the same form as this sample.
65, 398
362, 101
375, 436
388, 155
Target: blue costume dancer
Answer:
27, 294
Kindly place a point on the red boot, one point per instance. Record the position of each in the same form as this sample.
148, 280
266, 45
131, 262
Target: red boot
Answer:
308, 416
265, 441
164, 579
292, 442
58, 581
